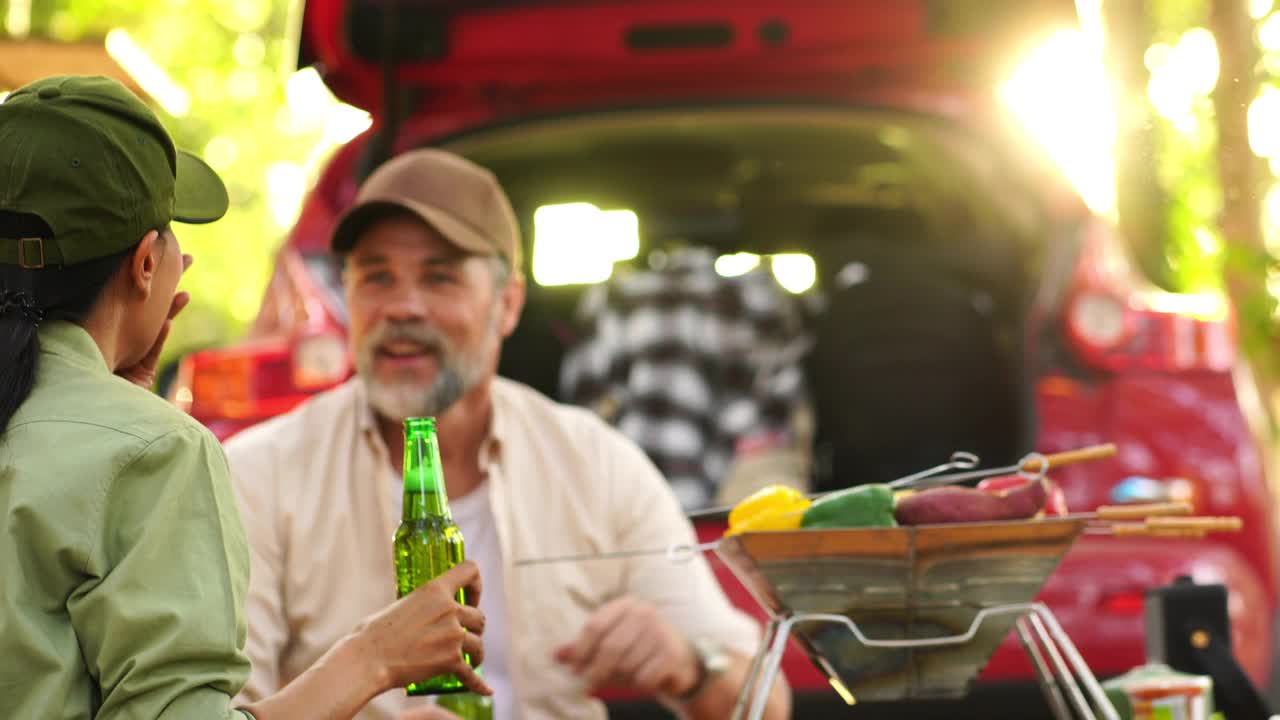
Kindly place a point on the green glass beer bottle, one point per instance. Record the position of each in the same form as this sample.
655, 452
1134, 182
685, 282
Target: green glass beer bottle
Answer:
427, 543
468, 706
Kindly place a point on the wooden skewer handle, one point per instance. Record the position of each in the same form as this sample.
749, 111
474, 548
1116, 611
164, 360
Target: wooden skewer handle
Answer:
1142, 512
1208, 524
1144, 530
1095, 452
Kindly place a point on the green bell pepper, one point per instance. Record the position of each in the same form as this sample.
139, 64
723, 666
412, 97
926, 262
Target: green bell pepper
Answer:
862, 506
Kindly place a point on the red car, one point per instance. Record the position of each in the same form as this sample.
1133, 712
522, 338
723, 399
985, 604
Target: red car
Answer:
863, 134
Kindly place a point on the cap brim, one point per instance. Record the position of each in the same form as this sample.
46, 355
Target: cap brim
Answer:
198, 194
358, 218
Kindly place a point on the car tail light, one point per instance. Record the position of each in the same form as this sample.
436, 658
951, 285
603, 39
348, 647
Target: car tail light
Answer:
296, 350
1117, 321
1099, 320
320, 361
256, 381
1153, 331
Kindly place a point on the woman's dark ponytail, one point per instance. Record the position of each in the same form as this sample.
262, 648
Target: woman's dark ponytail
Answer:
18, 351
29, 297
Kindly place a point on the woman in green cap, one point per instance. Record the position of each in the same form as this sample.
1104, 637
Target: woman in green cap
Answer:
123, 565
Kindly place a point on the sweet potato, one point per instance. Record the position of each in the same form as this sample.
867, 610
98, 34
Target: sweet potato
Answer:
961, 504
1056, 500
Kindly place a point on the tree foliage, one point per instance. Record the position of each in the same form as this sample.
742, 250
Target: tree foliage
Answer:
1207, 242
233, 58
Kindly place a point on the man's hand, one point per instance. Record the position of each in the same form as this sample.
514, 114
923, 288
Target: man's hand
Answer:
627, 643
143, 373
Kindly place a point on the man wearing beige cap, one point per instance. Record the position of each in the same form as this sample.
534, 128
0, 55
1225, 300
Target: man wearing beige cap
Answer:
432, 273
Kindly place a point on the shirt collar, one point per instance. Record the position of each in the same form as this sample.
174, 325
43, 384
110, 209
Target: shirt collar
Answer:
490, 447
499, 423
72, 343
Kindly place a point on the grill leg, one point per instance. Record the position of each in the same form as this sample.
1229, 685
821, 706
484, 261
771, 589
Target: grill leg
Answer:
769, 669
1060, 669
1100, 699
1048, 683
753, 672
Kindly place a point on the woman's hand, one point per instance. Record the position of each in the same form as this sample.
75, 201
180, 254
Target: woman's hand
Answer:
427, 712
143, 373
421, 635
425, 633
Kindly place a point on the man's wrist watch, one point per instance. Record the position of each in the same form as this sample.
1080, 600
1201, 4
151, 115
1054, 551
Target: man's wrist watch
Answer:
712, 661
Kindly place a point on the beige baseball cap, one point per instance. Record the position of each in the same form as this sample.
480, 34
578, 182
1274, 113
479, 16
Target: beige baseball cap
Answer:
459, 199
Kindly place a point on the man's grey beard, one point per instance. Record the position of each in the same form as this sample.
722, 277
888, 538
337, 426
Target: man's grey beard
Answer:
395, 400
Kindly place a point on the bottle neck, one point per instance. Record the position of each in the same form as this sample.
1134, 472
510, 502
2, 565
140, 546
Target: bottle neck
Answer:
424, 491
419, 505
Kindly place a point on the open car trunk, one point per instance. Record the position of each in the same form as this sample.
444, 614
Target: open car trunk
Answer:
925, 260
520, 56
749, 127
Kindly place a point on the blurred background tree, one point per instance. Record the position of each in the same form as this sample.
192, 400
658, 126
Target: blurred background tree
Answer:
221, 75
1199, 115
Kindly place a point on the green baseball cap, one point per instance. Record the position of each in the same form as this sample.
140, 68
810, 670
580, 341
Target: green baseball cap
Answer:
85, 155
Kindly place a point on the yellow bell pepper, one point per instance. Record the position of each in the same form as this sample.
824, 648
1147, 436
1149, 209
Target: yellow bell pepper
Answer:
776, 507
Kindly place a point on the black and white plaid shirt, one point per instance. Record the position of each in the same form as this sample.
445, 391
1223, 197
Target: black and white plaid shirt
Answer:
690, 365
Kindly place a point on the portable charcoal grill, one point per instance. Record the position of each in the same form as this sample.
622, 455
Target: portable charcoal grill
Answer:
915, 612
911, 612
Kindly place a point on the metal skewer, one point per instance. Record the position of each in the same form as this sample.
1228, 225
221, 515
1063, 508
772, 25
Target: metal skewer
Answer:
677, 553
1034, 465
1159, 520
959, 460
